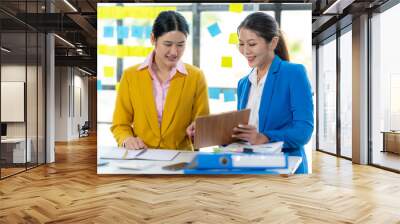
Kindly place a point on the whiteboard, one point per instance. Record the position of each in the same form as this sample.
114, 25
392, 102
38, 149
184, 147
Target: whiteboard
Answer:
12, 101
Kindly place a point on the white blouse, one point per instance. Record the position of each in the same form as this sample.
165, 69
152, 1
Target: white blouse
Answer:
255, 94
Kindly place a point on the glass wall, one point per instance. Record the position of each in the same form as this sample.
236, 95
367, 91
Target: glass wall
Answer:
22, 90
346, 93
385, 85
298, 36
222, 78
327, 96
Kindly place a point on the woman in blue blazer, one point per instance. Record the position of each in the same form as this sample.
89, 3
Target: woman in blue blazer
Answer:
277, 92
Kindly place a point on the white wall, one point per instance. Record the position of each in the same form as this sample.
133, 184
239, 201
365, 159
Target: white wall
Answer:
71, 94
61, 103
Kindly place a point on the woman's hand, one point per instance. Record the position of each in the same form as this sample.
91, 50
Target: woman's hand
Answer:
249, 133
190, 130
134, 143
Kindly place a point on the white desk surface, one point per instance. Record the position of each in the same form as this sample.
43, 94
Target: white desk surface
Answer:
155, 167
13, 140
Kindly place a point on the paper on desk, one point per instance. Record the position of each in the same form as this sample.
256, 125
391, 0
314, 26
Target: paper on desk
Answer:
134, 166
158, 155
119, 154
275, 147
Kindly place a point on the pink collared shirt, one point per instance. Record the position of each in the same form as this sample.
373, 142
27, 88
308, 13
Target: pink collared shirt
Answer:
160, 89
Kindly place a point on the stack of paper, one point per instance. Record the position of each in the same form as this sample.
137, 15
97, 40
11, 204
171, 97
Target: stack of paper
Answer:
119, 153
269, 148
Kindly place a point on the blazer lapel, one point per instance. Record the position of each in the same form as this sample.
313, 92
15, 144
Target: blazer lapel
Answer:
268, 91
171, 102
245, 94
148, 100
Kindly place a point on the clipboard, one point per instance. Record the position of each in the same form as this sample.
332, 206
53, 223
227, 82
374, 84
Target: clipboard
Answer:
217, 129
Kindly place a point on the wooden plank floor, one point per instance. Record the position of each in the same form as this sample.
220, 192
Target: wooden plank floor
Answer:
70, 191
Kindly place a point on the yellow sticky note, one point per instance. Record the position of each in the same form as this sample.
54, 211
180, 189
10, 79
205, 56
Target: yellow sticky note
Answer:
117, 86
101, 49
226, 62
233, 38
136, 12
236, 7
122, 51
108, 71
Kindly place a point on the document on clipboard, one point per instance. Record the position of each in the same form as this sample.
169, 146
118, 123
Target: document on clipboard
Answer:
217, 129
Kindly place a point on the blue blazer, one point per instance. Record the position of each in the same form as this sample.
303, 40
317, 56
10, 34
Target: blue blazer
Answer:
286, 109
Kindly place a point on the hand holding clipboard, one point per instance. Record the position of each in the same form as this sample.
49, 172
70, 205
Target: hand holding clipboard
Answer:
218, 129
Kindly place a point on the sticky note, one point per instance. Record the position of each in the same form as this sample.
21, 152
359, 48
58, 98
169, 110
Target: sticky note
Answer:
139, 51
235, 7
123, 50
229, 95
108, 71
233, 38
117, 86
214, 29
98, 84
135, 12
137, 31
123, 32
148, 30
226, 62
213, 92
108, 31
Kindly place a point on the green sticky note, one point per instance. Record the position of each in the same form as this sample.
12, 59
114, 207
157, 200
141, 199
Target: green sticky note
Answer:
226, 62
233, 38
236, 7
108, 71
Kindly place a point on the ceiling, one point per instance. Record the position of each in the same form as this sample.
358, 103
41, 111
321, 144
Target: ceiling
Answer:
330, 15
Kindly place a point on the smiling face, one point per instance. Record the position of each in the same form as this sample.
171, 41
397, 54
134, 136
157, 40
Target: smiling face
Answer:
169, 48
256, 49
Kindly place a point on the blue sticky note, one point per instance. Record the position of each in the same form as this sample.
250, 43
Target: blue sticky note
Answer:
137, 31
98, 84
214, 29
108, 31
229, 95
122, 32
148, 30
213, 93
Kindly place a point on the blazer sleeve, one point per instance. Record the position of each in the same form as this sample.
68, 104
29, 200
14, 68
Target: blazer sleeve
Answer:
200, 105
123, 112
299, 132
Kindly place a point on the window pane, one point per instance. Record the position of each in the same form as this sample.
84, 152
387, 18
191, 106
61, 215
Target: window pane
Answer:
222, 78
13, 83
385, 85
346, 94
327, 97
32, 98
296, 27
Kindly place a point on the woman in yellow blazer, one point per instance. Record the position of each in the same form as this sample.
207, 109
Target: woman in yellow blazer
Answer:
158, 100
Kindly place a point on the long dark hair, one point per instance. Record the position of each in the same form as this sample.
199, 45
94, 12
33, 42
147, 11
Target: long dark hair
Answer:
168, 21
265, 26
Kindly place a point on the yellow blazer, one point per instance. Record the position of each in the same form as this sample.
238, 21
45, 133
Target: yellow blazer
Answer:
135, 111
